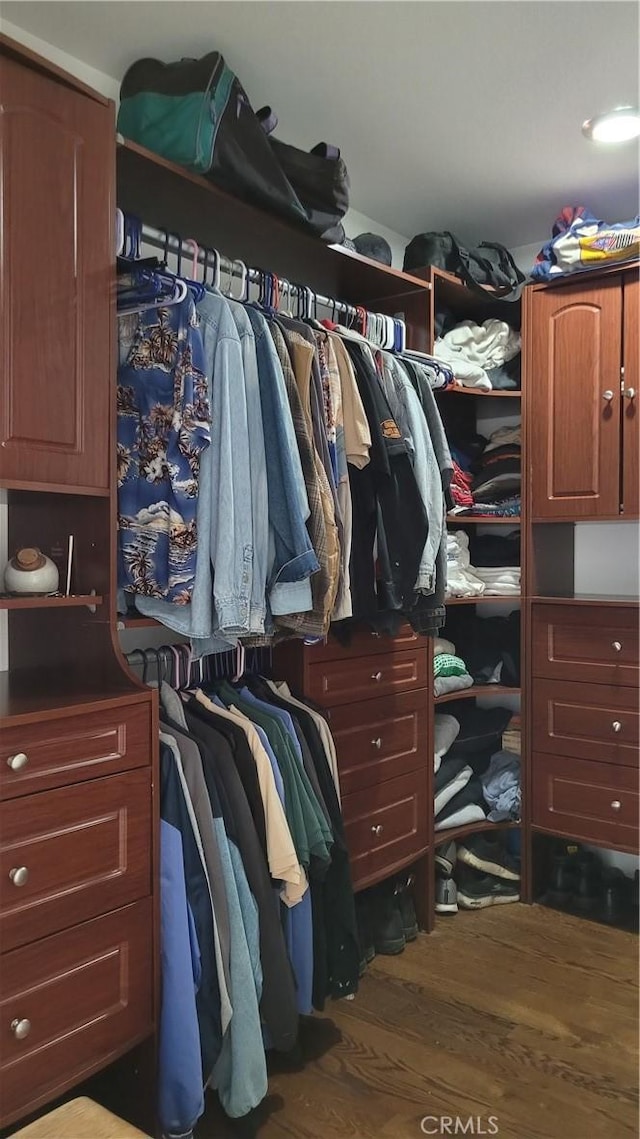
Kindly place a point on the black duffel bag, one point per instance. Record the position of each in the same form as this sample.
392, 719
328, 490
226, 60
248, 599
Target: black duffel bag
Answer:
196, 113
489, 264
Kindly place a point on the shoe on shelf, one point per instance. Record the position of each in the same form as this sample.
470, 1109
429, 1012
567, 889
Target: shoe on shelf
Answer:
386, 922
446, 858
587, 893
487, 853
406, 908
446, 896
614, 898
365, 931
476, 891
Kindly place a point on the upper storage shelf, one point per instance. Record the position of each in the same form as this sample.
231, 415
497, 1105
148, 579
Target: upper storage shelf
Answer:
165, 195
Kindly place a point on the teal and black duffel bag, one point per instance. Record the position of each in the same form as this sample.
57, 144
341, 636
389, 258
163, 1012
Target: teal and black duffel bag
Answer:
196, 113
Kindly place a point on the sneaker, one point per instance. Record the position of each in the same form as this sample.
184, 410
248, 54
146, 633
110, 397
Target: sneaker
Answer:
488, 854
407, 909
476, 891
446, 858
446, 896
388, 934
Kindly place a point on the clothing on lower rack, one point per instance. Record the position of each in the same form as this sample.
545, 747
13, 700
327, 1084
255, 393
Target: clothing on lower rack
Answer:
501, 786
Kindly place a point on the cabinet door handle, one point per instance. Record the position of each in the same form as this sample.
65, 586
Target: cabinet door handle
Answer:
616, 804
19, 875
629, 393
376, 676
20, 1027
616, 646
608, 395
377, 743
377, 829
18, 761
617, 726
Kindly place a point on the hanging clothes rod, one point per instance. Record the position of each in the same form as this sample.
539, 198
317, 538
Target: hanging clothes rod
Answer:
187, 249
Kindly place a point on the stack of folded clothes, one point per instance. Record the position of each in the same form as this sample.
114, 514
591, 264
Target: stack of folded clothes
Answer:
484, 356
449, 674
458, 791
499, 581
501, 786
462, 580
489, 470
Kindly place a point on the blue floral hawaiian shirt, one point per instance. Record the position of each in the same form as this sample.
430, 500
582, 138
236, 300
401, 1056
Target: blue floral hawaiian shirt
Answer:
164, 422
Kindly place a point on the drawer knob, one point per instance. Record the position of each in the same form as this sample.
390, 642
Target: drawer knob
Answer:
616, 646
19, 875
616, 804
377, 743
17, 762
608, 395
378, 829
376, 676
20, 1028
617, 726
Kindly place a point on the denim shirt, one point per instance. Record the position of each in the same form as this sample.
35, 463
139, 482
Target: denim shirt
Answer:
292, 557
224, 500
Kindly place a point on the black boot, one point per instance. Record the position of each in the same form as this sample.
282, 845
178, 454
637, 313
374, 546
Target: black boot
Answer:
365, 930
406, 908
587, 892
613, 909
388, 934
564, 879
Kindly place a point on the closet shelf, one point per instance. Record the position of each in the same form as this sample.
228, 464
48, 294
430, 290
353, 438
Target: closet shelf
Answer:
137, 623
484, 519
500, 598
153, 188
453, 834
49, 602
493, 394
476, 690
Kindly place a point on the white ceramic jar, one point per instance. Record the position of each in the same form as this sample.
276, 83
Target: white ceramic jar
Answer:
30, 571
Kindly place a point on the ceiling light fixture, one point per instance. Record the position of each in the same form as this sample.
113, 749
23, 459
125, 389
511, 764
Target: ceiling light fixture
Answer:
620, 125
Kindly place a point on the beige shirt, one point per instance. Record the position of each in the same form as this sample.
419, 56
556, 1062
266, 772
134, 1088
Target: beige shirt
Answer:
281, 853
357, 436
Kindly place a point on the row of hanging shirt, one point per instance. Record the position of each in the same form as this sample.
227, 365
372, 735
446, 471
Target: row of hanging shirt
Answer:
275, 473
258, 918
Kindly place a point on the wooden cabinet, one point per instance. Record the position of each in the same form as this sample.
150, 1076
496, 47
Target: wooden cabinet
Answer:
596, 644
594, 802
57, 174
583, 456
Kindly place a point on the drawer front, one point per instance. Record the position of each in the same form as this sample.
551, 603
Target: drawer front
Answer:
594, 644
71, 854
380, 739
35, 757
87, 994
588, 721
386, 825
595, 802
363, 642
346, 681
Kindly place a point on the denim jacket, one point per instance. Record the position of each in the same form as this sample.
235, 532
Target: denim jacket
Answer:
292, 557
224, 499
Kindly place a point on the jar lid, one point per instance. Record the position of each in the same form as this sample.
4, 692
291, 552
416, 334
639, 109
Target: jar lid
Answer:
28, 559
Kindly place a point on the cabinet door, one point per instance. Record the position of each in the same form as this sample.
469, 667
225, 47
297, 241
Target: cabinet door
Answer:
631, 402
57, 153
574, 393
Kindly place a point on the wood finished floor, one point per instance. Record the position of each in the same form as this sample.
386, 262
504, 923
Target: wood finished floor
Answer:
517, 1012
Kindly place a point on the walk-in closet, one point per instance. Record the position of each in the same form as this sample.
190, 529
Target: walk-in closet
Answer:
319, 559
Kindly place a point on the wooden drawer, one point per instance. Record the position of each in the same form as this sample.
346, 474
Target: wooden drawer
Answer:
386, 826
380, 739
363, 642
88, 995
346, 681
34, 757
589, 721
83, 850
597, 644
595, 802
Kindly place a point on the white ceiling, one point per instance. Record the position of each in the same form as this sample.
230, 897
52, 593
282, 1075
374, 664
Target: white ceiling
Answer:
450, 115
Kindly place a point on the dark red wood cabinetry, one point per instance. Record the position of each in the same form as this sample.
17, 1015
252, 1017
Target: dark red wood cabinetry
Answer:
57, 175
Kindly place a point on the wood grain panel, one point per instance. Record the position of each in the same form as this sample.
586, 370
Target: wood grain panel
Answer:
56, 162
590, 721
595, 802
65, 751
576, 353
86, 849
598, 645
380, 739
631, 404
386, 825
88, 995
346, 681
